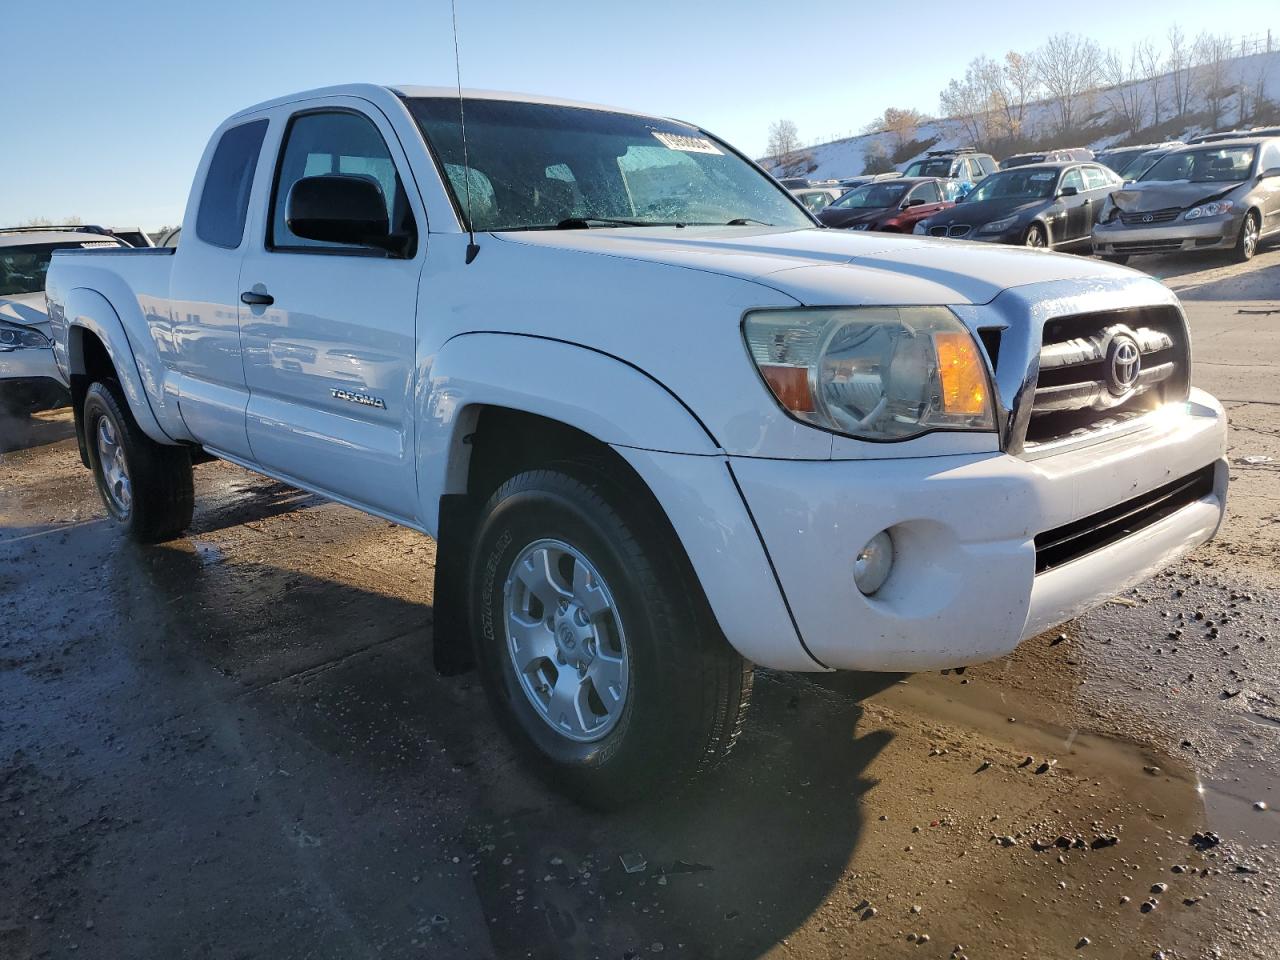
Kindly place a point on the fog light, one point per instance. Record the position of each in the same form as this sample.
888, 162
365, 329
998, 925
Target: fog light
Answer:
874, 561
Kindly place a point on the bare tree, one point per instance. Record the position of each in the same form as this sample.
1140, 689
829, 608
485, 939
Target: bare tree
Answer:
1125, 95
1212, 56
968, 101
1021, 86
47, 222
1068, 65
784, 140
901, 125
1180, 65
1151, 68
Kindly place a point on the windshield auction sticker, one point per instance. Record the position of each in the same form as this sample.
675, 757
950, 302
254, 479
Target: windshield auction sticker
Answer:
677, 141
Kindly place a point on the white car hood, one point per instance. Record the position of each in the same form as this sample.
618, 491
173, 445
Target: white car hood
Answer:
28, 309
830, 267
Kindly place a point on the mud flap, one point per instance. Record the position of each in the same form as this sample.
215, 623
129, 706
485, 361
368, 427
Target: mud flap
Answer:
452, 651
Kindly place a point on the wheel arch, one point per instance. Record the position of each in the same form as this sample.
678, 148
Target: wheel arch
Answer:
495, 443
96, 346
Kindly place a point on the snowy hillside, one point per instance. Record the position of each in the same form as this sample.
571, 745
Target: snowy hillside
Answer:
847, 157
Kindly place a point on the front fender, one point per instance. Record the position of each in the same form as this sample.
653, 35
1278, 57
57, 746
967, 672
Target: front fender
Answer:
89, 312
602, 396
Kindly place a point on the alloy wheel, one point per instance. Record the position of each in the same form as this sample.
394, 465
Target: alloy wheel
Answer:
1249, 242
114, 467
565, 640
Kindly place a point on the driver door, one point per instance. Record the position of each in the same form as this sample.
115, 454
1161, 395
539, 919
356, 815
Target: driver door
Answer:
329, 329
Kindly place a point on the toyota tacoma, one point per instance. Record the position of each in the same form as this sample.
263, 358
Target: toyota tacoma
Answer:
662, 424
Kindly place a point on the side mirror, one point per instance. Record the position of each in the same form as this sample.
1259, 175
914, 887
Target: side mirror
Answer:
1270, 172
341, 208
1068, 192
914, 202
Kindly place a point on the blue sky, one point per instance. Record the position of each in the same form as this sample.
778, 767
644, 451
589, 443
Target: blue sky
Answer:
108, 104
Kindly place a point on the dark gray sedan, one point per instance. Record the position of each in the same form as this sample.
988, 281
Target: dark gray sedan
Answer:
1051, 205
1219, 196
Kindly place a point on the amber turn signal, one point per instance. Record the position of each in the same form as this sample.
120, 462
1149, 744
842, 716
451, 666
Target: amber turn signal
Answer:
962, 373
790, 385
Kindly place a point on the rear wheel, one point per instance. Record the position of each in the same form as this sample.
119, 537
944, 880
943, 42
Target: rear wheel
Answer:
1247, 241
147, 487
1036, 237
596, 648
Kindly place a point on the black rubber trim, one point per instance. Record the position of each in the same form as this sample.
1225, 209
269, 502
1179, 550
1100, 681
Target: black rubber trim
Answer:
772, 569
1081, 537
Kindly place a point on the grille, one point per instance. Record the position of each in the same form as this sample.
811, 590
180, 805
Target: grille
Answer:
955, 230
1080, 537
1156, 216
1146, 246
1101, 370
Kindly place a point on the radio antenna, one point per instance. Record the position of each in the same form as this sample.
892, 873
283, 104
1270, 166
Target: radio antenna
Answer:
472, 247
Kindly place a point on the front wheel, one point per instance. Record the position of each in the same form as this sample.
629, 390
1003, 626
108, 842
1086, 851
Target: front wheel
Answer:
1247, 242
597, 650
1036, 237
147, 487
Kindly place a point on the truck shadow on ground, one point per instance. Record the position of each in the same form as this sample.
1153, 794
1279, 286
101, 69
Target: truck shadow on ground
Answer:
22, 432
394, 764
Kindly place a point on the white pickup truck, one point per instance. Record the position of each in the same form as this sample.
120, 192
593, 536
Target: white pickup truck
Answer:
662, 424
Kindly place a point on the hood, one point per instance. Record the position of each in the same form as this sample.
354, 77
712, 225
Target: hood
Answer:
844, 218
28, 309
830, 267
984, 211
1162, 194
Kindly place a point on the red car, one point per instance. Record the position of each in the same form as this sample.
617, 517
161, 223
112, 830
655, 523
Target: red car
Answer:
890, 205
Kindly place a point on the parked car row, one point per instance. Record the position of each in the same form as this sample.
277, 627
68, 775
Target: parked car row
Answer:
1219, 192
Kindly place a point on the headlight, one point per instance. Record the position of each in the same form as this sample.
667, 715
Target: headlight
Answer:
13, 336
1215, 209
877, 373
999, 226
921, 227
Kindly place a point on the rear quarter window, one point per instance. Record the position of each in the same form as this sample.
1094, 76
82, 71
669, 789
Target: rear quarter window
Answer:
224, 203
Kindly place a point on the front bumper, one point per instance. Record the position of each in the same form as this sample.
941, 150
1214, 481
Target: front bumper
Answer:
1210, 233
27, 363
964, 586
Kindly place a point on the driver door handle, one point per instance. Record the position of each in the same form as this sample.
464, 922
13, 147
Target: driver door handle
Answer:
255, 299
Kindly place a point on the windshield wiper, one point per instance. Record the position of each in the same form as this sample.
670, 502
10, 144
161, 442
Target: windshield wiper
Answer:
746, 221
586, 223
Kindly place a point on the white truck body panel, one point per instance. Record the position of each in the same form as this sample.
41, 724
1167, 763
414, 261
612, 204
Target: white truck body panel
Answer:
363, 380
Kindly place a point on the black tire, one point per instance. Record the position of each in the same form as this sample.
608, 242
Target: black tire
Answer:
161, 493
688, 690
1036, 237
1247, 242
1120, 258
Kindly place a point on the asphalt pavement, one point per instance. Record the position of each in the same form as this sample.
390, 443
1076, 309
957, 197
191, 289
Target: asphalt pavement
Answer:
234, 746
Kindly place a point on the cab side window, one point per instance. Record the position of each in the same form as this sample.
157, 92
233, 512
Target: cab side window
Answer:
334, 142
224, 202
1072, 178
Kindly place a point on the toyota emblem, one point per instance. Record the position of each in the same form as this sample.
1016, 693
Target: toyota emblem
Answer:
1124, 363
